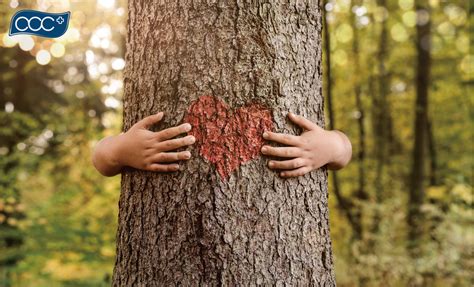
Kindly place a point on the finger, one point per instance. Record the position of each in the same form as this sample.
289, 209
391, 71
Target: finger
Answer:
149, 121
172, 132
286, 164
163, 167
171, 156
176, 143
296, 172
281, 151
281, 138
302, 122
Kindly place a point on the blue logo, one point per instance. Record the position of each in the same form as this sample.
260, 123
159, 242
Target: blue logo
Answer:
49, 25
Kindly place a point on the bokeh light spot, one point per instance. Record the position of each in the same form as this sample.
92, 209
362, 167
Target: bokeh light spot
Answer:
43, 57
57, 50
26, 42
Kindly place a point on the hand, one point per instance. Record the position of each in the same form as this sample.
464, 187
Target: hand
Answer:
314, 148
143, 149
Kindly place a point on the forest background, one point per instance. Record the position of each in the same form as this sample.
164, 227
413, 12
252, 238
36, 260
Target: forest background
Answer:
58, 97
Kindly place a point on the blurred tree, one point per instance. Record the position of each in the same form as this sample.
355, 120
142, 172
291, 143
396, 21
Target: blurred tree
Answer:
381, 113
250, 227
345, 205
417, 180
50, 111
361, 193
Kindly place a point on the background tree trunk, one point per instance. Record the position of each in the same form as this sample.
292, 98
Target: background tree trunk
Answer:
360, 194
416, 188
381, 118
344, 204
196, 227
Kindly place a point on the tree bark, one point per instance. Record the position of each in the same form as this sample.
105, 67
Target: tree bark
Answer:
416, 189
214, 223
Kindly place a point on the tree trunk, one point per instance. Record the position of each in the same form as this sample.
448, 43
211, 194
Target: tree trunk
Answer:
381, 118
360, 194
329, 84
344, 204
416, 189
232, 68
433, 154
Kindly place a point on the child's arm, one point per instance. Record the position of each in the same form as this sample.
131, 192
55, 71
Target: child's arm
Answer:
142, 149
314, 148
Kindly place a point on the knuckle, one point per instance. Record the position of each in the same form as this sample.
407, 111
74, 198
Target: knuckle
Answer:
186, 141
185, 155
159, 137
294, 164
163, 135
148, 167
301, 162
146, 154
157, 147
159, 157
171, 132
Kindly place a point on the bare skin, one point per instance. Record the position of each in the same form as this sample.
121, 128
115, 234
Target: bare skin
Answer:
143, 149
314, 148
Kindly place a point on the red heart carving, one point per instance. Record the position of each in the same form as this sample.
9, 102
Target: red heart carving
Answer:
224, 138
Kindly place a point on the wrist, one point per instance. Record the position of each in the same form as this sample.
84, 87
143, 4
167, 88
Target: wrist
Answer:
115, 149
342, 150
105, 156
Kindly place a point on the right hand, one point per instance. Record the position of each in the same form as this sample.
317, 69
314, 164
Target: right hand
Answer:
154, 151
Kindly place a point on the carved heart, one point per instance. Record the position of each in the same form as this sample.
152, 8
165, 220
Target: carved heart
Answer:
224, 138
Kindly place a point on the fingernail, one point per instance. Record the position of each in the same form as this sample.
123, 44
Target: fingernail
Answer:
187, 127
191, 139
270, 163
265, 135
264, 149
160, 114
187, 155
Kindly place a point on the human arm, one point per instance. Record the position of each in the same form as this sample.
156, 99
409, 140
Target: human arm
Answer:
143, 149
314, 148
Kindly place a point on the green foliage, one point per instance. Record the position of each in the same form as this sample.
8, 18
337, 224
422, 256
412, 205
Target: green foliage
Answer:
381, 258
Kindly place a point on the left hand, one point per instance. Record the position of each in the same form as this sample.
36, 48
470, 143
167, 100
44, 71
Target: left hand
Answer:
314, 148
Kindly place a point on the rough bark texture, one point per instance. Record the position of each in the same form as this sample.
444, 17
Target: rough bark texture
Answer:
248, 227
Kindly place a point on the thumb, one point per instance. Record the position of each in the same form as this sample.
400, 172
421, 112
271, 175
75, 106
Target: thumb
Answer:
145, 123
